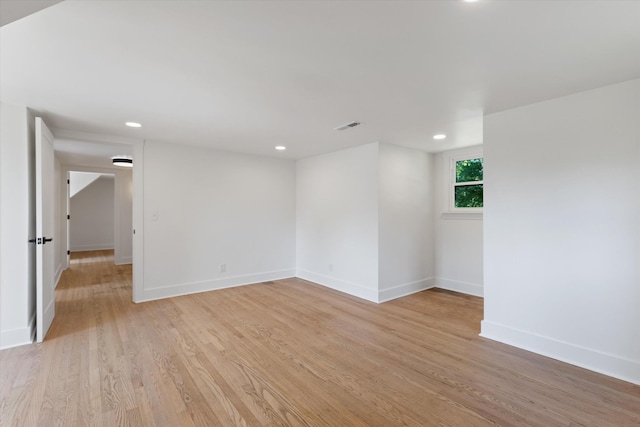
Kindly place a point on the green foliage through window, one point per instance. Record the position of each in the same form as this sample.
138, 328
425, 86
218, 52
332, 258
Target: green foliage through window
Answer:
468, 185
469, 170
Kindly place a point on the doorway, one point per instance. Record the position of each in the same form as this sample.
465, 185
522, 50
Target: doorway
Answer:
99, 213
81, 152
90, 212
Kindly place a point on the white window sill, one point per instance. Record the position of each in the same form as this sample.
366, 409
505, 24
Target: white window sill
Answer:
462, 215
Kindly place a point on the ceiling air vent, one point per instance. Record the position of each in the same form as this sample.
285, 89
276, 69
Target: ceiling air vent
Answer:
347, 126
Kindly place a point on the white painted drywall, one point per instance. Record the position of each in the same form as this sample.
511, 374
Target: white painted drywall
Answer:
406, 235
562, 229
458, 251
17, 256
92, 216
337, 220
205, 208
81, 180
123, 217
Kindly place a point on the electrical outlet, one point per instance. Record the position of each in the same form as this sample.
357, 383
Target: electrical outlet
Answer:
223, 268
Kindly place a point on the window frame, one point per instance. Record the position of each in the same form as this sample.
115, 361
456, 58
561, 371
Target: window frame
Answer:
452, 184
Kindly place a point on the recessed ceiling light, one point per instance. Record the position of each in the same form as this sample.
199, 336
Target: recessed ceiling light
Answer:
281, 147
439, 136
133, 124
470, 1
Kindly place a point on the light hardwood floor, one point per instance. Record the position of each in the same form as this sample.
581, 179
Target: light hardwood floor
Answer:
286, 353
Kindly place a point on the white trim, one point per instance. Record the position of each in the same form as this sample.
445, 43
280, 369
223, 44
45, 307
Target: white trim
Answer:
75, 135
475, 216
593, 360
212, 285
58, 275
137, 224
453, 184
459, 286
450, 158
67, 218
124, 260
20, 336
405, 289
353, 289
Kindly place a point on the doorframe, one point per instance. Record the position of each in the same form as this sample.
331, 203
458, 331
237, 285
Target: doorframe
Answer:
138, 222
137, 201
68, 221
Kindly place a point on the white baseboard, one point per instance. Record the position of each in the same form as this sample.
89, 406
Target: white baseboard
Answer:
92, 247
350, 288
49, 313
458, 286
57, 275
405, 289
212, 285
593, 360
124, 260
19, 336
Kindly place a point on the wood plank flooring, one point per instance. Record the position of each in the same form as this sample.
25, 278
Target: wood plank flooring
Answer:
286, 353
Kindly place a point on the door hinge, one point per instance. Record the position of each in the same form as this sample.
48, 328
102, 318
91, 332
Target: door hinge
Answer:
68, 252
68, 216
68, 182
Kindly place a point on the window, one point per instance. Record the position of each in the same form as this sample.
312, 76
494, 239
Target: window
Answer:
466, 184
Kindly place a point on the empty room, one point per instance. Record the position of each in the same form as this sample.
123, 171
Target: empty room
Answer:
273, 213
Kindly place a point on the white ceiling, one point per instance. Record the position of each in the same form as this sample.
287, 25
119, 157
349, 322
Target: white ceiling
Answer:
12, 10
249, 75
79, 151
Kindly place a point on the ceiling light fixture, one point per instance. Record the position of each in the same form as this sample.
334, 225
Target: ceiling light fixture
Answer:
281, 147
470, 1
123, 161
439, 136
133, 124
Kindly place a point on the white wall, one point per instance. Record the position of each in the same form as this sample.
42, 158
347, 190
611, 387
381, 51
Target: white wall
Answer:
406, 234
79, 180
458, 254
92, 216
123, 217
17, 256
205, 208
337, 220
562, 229
365, 221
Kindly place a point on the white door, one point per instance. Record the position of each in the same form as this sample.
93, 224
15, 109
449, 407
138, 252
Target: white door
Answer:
45, 293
